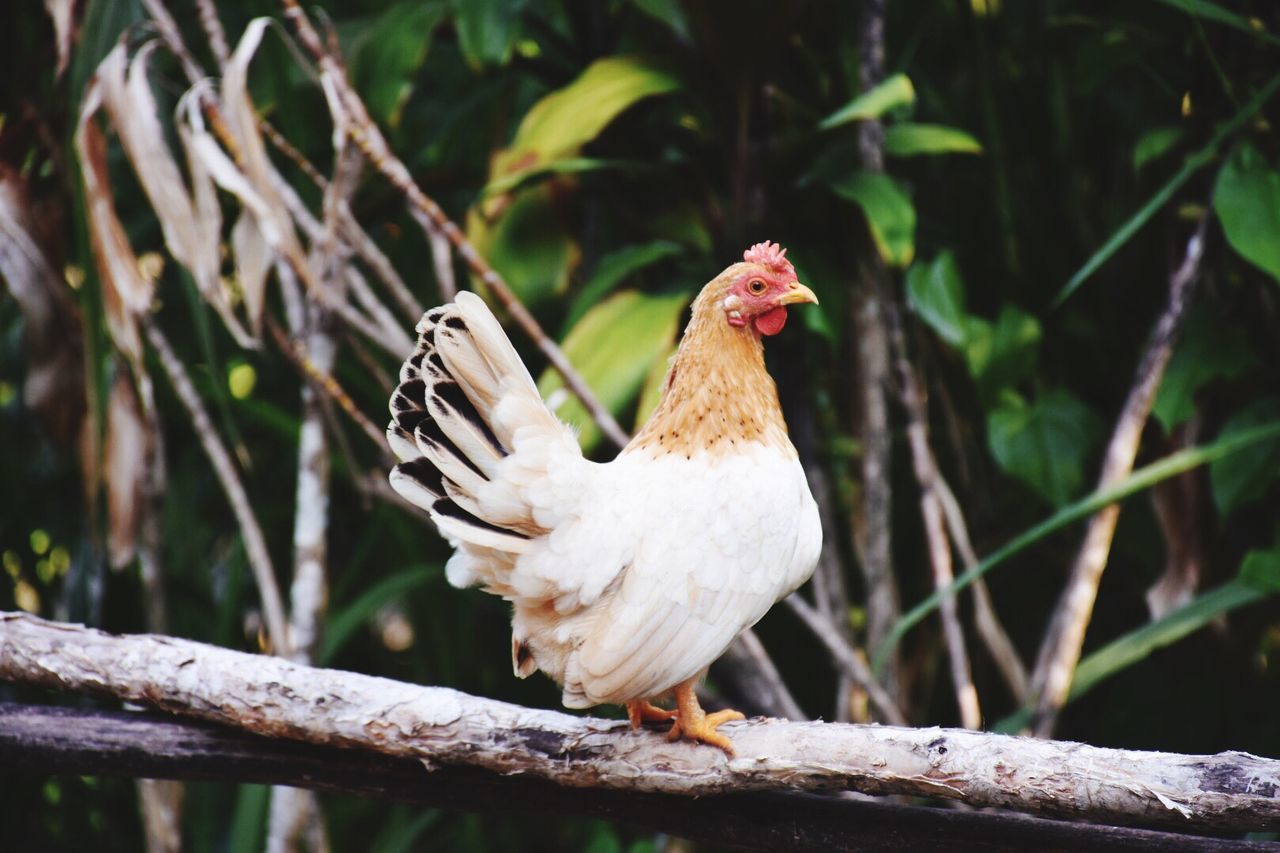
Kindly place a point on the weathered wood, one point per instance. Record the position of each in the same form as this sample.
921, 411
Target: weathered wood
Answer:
1231, 791
49, 740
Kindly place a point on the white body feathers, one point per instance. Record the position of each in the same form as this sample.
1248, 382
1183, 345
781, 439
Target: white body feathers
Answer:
626, 578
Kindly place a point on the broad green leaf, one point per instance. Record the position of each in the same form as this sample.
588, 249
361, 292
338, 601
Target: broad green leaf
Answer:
668, 12
1001, 354
935, 291
1246, 477
559, 124
893, 92
1261, 569
487, 29
907, 140
248, 827
1207, 350
614, 346
651, 393
1140, 480
347, 619
1154, 144
1192, 165
613, 270
1247, 201
889, 212
528, 244
387, 55
1044, 444
567, 166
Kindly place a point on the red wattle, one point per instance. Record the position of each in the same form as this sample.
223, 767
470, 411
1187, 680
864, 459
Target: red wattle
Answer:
772, 321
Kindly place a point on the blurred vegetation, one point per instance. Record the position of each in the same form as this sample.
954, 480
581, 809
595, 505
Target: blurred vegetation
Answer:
1046, 164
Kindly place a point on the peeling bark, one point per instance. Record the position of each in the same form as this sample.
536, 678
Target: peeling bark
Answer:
1230, 791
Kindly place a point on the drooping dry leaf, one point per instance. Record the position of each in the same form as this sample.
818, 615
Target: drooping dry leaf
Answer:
125, 469
63, 13
126, 293
270, 212
54, 387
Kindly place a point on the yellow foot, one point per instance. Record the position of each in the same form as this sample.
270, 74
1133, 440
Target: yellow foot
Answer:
697, 725
642, 711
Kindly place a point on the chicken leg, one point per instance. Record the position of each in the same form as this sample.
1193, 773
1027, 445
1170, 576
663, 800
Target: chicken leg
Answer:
696, 724
643, 711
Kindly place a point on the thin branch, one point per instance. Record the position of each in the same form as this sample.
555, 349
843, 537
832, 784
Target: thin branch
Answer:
351, 230
911, 394
992, 632
873, 530
365, 133
1060, 651
1231, 791
295, 351
255, 544
847, 660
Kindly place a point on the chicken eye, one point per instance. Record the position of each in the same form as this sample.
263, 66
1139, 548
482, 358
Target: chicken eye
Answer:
756, 286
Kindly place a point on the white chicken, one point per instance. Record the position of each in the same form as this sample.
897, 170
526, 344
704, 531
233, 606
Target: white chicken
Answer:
627, 579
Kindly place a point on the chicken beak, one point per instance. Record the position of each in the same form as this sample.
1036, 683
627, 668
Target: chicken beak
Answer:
798, 293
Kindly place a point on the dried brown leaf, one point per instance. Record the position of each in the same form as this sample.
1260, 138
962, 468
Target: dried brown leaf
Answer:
125, 469
63, 13
126, 293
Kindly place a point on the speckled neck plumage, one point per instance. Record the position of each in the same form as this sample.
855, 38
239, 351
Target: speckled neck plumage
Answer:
718, 394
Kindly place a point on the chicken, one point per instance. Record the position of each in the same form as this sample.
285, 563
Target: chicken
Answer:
627, 579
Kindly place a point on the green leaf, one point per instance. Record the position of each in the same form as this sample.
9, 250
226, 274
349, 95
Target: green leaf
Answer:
1207, 350
487, 29
567, 166
614, 346
346, 620
907, 140
1247, 201
248, 827
387, 55
1244, 478
1044, 444
1261, 570
528, 244
1124, 651
1154, 144
889, 212
614, 269
1213, 12
1192, 165
935, 291
668, 12
651, 393
1002, 354
893, 92
559, 124
1140, 480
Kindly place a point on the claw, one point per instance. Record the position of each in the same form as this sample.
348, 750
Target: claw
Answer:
697, 725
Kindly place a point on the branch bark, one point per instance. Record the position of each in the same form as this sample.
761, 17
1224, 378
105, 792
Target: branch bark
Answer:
1060, 651
49, 740
441, 727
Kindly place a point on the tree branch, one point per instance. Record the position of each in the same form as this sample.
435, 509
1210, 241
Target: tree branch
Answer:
272, 696
1060, 651
48, 740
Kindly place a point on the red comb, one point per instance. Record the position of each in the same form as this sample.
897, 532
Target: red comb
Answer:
770, 255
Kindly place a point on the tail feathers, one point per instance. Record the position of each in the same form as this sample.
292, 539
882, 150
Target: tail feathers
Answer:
449, 430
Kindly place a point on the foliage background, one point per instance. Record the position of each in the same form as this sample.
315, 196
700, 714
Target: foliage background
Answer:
1059, 121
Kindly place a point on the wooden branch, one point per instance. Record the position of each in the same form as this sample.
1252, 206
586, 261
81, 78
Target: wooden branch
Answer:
1231, 791
1064, 640
77, 741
